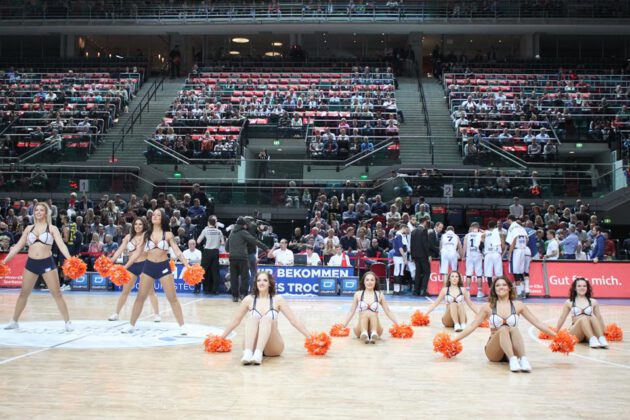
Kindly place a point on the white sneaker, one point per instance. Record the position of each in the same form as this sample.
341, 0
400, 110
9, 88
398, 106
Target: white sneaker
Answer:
13, 325
457, 327
257, 357
183, 330
603, 342
247, 357
373, 338
515, 366
66, 287
463, 326
157, 318
69, 326
113, 317
365, 337
130, 329
593, 342
525, 366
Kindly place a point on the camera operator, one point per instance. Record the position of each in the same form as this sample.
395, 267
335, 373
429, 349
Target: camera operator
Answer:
239, 244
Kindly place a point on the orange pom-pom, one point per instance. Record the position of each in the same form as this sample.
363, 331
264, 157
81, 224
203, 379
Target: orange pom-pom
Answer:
418, 319
338, 330
484, 324
401, 331
613, 332
5, 270
119, 275
74, 268
193, 275
443, 343
217, 344
318, 344
173, 266
103, 265
563, 342
544, 336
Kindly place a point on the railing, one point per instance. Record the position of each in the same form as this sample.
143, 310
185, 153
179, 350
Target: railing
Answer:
425, 114
426, 11
273, 191
60, 180
136, 115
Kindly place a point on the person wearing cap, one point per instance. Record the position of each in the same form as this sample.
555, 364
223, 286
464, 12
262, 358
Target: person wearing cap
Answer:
237, 245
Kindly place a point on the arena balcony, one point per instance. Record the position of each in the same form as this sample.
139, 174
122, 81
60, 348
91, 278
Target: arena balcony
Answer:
160, 13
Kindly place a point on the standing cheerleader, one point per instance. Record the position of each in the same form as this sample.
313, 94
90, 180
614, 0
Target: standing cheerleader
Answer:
367, 299
262, 309
587, 322
40, 238
455, 296
157, 240
502, 311
133, 243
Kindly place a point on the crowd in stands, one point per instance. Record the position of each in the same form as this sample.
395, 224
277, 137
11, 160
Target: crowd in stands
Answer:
530, 114
340, 114
345, 226
65, 111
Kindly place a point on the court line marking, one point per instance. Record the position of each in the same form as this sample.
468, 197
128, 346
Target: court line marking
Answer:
34, 352
534, 337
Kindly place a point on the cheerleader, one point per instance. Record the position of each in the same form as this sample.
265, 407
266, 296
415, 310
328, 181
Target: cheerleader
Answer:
157, 241
586, 318
262, 308
40, 238
455, 296
133, 243
367, 299
502, 311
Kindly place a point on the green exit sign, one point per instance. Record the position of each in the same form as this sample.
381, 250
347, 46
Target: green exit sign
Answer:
579, 145
363, 177
608, 221
277, 143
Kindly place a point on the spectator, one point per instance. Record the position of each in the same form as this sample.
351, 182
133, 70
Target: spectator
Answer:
599, 245
109, 246
516, 209
553, 247
349, 242
610, 249
312, 258
282, 255
339, 259
569, 245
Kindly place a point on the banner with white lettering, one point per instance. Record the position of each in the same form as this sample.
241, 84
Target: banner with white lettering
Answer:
609, 279
298, 280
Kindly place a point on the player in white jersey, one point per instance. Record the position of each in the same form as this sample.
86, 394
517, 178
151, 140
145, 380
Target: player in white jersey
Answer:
493, 246
450, 251
517, 238
474, 259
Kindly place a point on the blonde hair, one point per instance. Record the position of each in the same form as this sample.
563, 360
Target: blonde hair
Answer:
48, 211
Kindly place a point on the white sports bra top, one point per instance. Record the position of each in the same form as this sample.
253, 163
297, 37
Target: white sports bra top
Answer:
162, 244
577, 311
44, 238
497, 321
450, 298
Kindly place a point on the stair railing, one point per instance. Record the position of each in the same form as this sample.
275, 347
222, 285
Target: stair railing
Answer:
136, 116
425, 114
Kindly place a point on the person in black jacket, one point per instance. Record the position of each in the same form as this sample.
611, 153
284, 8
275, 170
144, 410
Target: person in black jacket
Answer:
421, 254
237, 246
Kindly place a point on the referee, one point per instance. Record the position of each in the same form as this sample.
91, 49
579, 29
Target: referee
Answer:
213, 238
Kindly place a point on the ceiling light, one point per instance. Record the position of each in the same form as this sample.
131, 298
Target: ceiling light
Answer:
272, 54
234, 53
240, 40
276, 44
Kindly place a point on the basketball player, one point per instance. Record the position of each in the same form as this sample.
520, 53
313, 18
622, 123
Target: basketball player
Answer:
474, 259
493, 247
518, 254
450, 251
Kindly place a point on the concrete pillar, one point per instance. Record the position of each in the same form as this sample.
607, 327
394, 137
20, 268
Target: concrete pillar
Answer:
67, 45
530, 45
415, 41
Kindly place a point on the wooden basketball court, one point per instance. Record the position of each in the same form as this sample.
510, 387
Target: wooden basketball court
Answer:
392, 379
